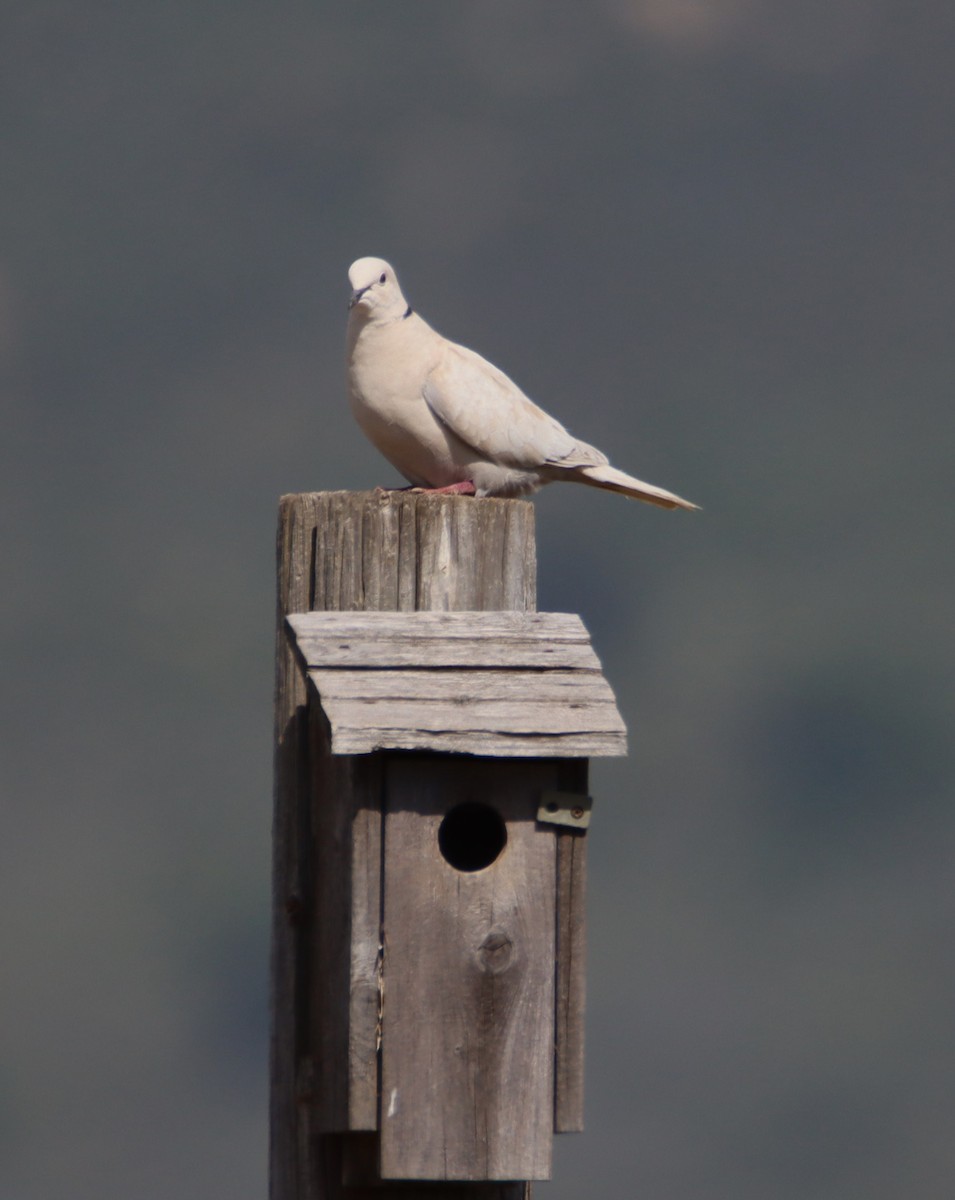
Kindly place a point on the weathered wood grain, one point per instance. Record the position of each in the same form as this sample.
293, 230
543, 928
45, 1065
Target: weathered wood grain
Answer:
468, 1021
344, 949
503, 728
571, 980
567, 626
356, 551
510, 684
400, 552
479, 744
551, 641
290, 882
571, 959
519, 713
499, 625
459, 686
493, 718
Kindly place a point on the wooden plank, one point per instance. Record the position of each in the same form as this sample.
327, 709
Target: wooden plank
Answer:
566, 626
427, 653
460, 685
569, 745
390, 718
571, 978
509, 718
577, 721
468, 973
346, 824
483, 640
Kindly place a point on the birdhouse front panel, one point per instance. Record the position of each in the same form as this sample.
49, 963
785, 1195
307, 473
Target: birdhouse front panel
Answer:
468, 973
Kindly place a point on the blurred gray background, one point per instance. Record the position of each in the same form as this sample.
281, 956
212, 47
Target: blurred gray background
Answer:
715, 238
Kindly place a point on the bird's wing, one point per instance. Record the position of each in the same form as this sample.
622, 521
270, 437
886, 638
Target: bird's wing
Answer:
489, 412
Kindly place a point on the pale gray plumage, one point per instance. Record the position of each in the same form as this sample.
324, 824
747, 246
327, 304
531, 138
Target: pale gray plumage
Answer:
447, 418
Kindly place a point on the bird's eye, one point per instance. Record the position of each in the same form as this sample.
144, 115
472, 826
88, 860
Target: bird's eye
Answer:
381, 277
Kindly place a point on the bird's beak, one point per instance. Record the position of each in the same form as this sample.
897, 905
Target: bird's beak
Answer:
356, 296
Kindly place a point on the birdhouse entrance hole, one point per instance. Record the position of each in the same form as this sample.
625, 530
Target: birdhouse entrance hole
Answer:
471, 836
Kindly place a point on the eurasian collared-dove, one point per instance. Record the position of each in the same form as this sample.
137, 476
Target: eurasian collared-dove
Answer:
447, 418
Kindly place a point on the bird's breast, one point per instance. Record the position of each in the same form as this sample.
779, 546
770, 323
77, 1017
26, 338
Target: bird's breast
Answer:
386, 372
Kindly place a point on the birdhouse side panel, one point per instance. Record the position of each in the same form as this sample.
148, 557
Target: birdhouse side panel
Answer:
343, 980
571, 978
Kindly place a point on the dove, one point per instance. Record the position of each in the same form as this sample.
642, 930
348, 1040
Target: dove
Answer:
446, 418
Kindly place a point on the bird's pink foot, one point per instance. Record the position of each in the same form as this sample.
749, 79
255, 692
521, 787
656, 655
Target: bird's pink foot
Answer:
465, 488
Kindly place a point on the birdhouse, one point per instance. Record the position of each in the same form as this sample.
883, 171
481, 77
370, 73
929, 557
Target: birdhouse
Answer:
447, 780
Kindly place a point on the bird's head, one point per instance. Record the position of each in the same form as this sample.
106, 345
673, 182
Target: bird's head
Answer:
375, 289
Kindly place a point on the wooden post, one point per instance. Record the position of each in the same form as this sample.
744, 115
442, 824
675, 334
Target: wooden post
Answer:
375, 552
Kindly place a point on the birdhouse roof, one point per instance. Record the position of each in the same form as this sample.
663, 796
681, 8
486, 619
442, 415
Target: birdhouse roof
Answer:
503, 684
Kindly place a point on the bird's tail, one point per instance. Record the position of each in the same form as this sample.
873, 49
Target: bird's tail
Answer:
612, 480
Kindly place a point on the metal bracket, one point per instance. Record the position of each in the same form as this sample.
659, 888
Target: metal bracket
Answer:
565, 808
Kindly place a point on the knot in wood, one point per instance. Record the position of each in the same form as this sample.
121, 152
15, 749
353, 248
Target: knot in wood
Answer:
496, 952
